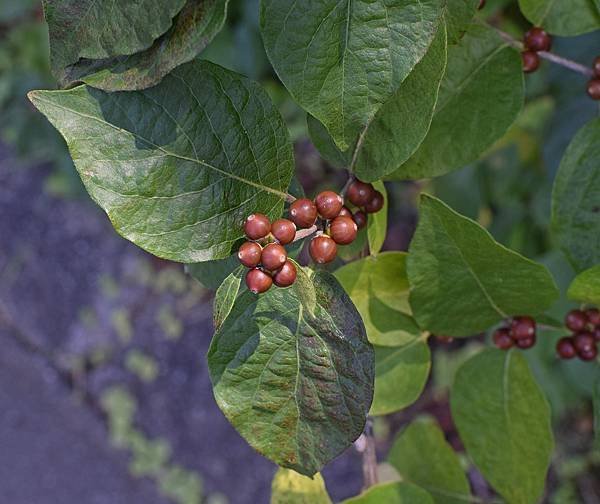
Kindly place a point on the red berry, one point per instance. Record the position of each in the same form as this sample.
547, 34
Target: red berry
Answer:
565, 348
531, 61
322, 249
525, 343
360, 218
345, 212
596, 67
303, 212
286, 275
537, 39
258, 281
481, 4
522, 328
502, 338
360, 193
343, 230
375, 203
273, 256
593, 89
593, 316
249, 254
583, 341
588, 354
576, 320
257, 226
444, 340
284, 231
329, 204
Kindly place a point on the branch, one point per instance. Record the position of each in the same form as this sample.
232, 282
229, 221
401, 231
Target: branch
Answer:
303, 233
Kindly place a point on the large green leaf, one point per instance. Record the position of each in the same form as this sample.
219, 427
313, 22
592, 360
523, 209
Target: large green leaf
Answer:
322, 140
463, 281
392, 493
105, 28
480, 97
294, 377
504, 421
585, 288
576, 198
341, 60
211, 274
560, 17
459, 14
192, 30
377, 223
379, 288
289, 487
179, 166
400, 375
422, 455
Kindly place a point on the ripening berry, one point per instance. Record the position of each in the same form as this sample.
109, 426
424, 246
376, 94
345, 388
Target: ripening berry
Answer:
284, 231
273, 256
444, 340
343, 230
531, 61
303, 213
525, 343
596, 67
537, 39
329, 204
522, 328
286, 275
583, 341
257, 226
576, 320
322, 249
565, 348
345, 212
360, 218
249, 254
589, 354
593, 316
258, 281
375, 203
502, 339
360, 193
593, 89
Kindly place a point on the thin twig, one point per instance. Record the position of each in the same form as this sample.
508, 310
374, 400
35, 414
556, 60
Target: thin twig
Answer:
344, 190
303, 233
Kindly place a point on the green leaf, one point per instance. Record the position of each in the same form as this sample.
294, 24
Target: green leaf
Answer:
392, 493
289, 487
585, 288
192, 30
377, 223
463, 281
504, 421
341, 60
480, 97
400, 376
576, 199
178, 167
296, 384
379, 288
226, 295
104, 28
422, 455
459, 14
212, 274
323, 142
562, 18
402, 122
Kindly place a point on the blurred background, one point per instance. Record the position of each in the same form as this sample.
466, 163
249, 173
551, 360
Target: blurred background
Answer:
104, 389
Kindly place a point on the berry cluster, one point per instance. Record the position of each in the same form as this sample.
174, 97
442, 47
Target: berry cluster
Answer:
535, 40
583, 343
593, 86
520, 332
264, 253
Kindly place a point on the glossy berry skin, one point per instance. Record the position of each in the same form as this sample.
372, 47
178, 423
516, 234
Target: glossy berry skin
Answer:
273, 256
593, 89
284, 231
329, 204
537, 39
360, 218
257, 226
565, 348
249, 254
522, 328
525, 343
343, 230
303, 213
375, 203
345, 212
322, 249
588, 354
502, 339
576, 320
583, 341
258, 281
286, 275
360, 193
531, 61
593, 316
